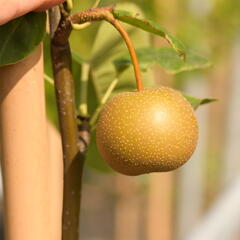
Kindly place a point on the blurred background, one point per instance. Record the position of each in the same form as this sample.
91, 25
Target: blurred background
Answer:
201, 200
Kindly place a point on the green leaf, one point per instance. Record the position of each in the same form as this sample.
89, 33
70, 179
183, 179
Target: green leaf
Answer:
151, 27
196, 102
167, 58
20, 36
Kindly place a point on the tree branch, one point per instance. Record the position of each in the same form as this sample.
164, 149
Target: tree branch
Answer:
73, 150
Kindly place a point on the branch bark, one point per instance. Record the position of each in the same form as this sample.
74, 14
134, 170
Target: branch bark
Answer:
74, 144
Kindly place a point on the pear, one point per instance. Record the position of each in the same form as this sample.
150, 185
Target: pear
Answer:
152, 130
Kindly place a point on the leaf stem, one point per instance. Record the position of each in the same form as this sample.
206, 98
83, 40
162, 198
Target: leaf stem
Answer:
69, 4
103, 101
97, 2
49, 79
76, 26
83, 108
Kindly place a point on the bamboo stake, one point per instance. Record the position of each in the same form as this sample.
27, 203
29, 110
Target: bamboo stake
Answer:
127, 210
27, 178
159, 211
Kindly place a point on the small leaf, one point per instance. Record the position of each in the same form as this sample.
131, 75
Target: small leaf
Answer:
167, 58
196, 102
151, 27
20, 36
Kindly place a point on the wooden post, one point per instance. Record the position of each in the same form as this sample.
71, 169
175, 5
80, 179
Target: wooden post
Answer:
29, 176
159, 209
127, 210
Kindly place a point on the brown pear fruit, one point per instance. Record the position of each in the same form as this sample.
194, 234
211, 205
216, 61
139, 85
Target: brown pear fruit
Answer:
153, 130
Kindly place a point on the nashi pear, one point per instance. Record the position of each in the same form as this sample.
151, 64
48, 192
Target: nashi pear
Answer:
153, 130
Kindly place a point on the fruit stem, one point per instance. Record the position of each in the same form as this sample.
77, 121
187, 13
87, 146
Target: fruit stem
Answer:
124, 34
